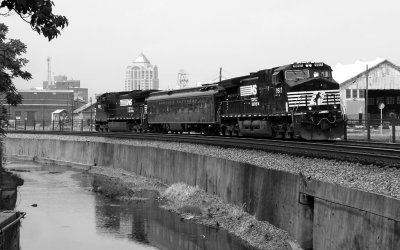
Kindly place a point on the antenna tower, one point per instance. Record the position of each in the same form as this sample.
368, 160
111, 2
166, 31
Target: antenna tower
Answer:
183, 80
49, 78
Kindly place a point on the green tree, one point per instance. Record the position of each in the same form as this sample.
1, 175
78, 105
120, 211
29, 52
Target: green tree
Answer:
39, 15
11, 67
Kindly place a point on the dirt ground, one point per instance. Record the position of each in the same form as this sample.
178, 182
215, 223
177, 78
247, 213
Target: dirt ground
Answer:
192, 203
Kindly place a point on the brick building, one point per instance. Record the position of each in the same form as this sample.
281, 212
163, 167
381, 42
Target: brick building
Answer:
63, 83
37, 105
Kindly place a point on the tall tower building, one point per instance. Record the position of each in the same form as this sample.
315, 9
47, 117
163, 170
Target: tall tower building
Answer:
141, 75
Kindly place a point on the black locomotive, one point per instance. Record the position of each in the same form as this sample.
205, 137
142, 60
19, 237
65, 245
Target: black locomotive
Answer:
299, 100
122, 111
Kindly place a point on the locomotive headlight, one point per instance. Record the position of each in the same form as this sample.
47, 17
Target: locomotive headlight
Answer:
309, 108
335, 106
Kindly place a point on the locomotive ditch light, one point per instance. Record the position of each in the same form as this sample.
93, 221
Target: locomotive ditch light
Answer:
334, 106
309, 108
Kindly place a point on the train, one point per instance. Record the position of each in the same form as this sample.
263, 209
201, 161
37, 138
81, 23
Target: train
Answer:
298, 100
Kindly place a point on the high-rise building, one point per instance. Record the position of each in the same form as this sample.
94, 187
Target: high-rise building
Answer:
141, 75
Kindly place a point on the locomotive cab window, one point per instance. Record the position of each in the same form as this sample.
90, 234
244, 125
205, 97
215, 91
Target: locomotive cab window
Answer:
321, 74
295, 75
276, 78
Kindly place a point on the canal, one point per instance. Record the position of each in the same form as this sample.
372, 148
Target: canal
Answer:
63, 213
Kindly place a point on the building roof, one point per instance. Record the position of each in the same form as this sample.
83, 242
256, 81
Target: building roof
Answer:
58, 111
352, 79
343, 72
46, 90
142, 59
84, 107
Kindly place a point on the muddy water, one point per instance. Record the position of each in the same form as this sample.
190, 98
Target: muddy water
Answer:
63, 213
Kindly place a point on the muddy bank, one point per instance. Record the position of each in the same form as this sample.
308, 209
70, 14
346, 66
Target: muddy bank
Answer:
192, 204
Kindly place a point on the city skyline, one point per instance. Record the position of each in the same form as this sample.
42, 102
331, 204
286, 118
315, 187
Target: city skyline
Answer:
202, 37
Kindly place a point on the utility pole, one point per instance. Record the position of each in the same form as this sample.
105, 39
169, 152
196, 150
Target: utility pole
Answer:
220, 74
366, 106
72, 112
91, 113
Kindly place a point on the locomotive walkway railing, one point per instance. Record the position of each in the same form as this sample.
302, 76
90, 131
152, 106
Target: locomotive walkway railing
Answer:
242, 107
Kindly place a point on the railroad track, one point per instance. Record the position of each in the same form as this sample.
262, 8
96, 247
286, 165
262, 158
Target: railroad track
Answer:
355, 151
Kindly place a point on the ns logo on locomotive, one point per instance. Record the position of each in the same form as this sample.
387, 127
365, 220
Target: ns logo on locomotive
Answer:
299, 100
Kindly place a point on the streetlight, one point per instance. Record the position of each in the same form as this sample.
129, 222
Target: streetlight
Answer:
381, 106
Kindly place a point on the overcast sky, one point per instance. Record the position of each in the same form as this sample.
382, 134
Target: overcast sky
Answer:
103, 37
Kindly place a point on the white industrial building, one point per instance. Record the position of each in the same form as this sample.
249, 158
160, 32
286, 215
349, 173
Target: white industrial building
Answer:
141, 75
383, 88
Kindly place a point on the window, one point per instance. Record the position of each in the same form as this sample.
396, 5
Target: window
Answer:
296, 75
320, 74
380, 99
326, 73
398, 100
390, 100
371, 101
348, 93
361, 93
355, 91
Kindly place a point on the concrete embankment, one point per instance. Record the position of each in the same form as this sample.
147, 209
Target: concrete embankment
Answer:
318, 214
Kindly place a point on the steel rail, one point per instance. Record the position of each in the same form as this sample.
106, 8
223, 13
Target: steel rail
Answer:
375, 153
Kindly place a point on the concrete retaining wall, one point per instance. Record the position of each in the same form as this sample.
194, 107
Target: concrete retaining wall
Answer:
319, 215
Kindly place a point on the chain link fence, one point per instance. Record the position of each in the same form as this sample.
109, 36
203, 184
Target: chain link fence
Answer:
61, 125
379, 130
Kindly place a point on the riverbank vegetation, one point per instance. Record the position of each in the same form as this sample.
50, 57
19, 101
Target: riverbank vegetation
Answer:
192, 204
